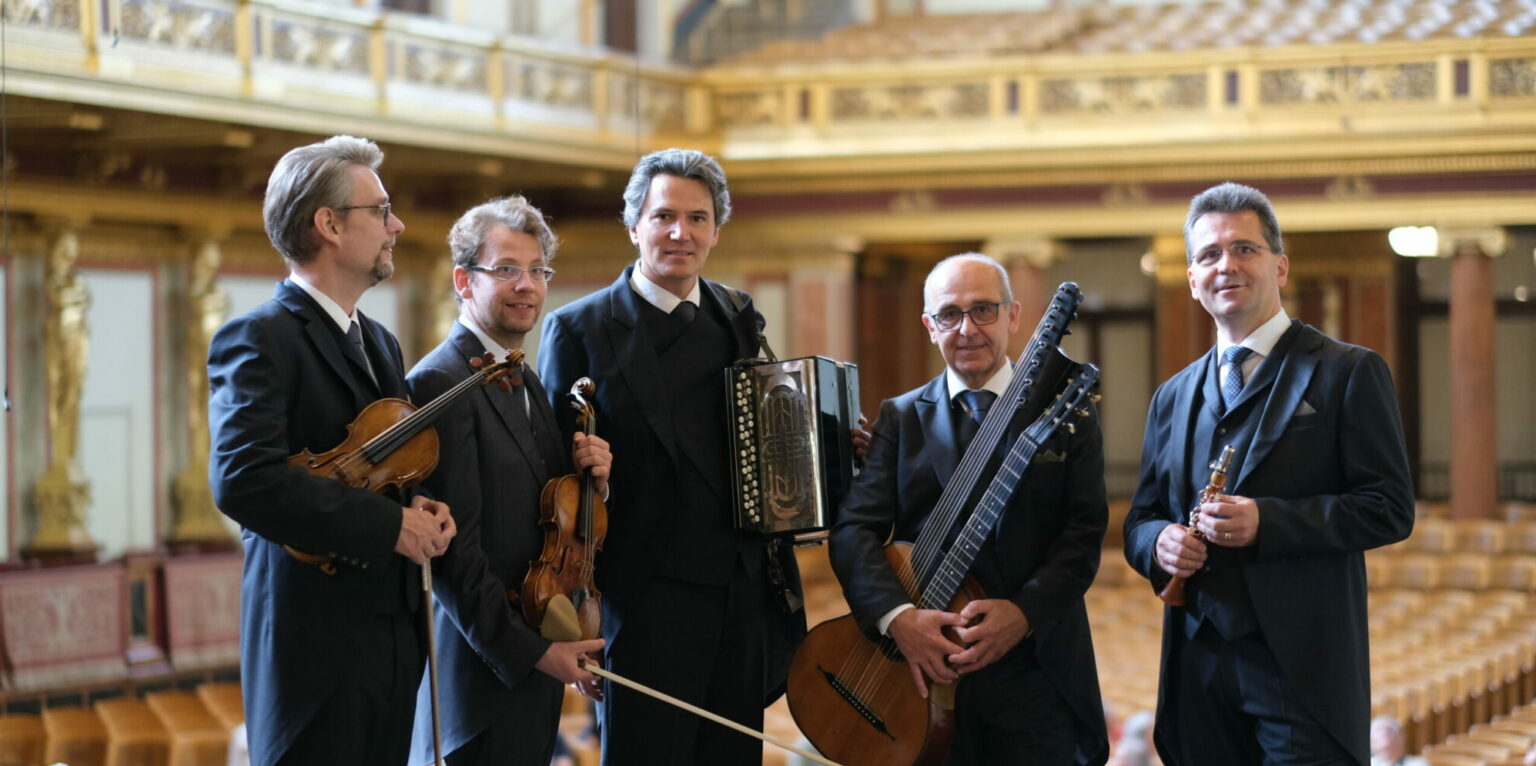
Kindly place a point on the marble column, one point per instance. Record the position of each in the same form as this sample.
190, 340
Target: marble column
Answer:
1474, 443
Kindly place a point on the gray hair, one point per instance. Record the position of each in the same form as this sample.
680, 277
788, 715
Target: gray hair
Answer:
1389, 723
469, 232
681, 163
306, 179
1234, 198
1002, 274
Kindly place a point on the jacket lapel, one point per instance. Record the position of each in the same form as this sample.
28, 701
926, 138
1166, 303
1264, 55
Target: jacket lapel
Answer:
1184, 414
937, 419
324, 336
636, 358
1297, 350
387, 368
502, 402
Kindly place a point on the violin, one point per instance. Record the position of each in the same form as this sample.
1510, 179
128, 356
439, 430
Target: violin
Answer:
559, 598
391, 443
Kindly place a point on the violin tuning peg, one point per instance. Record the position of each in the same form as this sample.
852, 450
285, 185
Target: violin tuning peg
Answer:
475, 362
502, 383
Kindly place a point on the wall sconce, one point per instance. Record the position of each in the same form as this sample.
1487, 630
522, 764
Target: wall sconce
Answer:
1415, 241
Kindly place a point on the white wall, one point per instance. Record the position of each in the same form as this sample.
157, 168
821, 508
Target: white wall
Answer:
117, 432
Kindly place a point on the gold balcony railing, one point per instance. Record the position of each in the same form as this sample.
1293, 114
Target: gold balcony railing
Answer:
293, 64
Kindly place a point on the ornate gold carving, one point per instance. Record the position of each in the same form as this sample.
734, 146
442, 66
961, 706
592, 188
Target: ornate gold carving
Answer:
1351, 187
197, 520
1413, 81
1118, 95
551, 83
179, 25
1512, 78
319, 48
749, 108
62, 493
55, 14
931, 101
660, 104
443, 67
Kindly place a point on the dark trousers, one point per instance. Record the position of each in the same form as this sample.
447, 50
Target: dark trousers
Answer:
1233, 706
367, 721
702, 644
524, 736
1010, 713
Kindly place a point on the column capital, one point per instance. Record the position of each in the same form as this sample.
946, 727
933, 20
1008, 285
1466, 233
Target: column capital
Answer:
1039, 252
1492, 241
1170, 259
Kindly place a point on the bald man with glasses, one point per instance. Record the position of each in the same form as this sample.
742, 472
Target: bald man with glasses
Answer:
1028, 689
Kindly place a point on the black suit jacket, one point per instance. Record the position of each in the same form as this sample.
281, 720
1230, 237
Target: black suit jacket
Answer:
1045, 549
490, 471
280, 383
603, 336
1329, 472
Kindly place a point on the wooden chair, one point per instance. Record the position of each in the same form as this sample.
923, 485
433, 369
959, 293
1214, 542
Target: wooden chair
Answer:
1480, 535
76, 736
1430, 535
1417, 571
1514, 571
21, 740
224, 702
135, 736
1466, 571
1520, 537
197, 738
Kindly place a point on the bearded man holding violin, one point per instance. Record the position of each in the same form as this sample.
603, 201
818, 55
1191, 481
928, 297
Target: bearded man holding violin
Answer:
331, 644
502, 681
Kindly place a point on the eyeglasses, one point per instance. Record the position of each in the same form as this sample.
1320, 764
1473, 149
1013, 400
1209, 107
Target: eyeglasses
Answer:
383, 209
980, 314
1239, 251
506, 272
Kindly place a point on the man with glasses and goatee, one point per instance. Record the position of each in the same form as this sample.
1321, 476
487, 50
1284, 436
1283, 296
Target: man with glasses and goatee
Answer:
1028, 689
331, 649
502, 682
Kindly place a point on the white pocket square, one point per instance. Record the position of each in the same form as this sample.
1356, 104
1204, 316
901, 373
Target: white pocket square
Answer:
1303, 409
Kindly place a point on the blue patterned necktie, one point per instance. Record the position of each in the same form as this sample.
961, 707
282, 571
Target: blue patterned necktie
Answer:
1232, 384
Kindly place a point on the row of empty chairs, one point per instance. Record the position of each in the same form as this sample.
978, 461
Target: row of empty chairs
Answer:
170, 728
1131, 28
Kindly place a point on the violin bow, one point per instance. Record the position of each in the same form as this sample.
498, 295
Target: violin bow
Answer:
698, 711
437, 718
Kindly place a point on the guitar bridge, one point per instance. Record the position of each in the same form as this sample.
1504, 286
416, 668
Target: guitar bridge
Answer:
855, 702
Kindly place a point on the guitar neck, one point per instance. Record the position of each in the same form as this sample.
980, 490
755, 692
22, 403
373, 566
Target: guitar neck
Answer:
941, 588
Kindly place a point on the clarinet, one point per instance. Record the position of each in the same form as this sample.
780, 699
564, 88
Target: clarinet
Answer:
1172, 594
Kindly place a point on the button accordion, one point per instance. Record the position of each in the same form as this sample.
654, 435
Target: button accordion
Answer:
791, 440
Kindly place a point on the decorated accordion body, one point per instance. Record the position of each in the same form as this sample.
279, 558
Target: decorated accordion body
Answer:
790, 440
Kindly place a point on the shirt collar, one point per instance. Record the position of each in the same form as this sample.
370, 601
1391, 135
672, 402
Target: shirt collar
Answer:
997, 384
497, 351
1262, 340
332, 309
658, 296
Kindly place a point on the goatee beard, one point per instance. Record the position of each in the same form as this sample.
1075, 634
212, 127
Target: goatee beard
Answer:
381, 270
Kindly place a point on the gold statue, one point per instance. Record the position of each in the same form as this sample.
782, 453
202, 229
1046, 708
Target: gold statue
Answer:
62, 494
197, 520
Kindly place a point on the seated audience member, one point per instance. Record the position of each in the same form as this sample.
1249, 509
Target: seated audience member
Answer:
1134, 747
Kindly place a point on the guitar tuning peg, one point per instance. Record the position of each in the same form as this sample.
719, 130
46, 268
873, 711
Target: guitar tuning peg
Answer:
1096, 398
1083, 413
1071, 429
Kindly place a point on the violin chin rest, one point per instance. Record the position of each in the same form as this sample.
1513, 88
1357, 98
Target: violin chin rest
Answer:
560, 623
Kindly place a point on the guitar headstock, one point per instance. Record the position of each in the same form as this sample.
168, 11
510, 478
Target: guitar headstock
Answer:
1052, 327
1072, 403
506, 373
